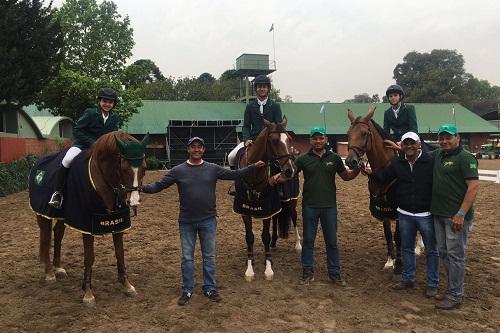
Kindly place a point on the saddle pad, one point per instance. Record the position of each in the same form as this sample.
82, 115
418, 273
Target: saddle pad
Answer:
264, 206
384, 207
290, 189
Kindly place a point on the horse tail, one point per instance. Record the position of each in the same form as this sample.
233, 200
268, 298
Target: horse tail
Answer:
284, 220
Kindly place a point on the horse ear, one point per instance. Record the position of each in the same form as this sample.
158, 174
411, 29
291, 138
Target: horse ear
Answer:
350, 115
121, 145
267, 123
145, 140
284, 121
371, 111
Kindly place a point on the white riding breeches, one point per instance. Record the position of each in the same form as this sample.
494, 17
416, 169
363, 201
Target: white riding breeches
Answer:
232, 155
70, 155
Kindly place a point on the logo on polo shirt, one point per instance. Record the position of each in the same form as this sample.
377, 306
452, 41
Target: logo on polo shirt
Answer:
473, 166
448, 163
328, 163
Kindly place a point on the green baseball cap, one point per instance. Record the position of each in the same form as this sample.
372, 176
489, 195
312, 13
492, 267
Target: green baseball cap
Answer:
317, 130
448, 128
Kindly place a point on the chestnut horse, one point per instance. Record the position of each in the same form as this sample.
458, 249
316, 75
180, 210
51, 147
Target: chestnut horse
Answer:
115, 171
365, 136
273, 146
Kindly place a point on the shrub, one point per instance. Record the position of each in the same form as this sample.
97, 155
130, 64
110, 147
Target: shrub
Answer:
152, 163
14, 175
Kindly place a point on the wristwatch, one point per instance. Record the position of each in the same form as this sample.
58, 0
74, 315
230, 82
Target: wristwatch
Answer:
461, 213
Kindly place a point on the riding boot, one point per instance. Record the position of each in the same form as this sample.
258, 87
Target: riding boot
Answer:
56, 199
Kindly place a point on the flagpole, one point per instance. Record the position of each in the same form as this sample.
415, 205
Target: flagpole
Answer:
274, 50
454, 116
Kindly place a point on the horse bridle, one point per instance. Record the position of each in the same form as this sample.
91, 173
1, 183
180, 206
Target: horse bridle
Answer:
360, 152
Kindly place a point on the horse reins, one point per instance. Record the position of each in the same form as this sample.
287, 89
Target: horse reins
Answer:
360, 152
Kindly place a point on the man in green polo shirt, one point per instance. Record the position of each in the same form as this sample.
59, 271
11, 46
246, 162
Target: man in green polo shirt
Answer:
454, 189
319, 202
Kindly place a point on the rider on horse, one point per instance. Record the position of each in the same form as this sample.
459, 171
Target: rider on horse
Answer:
255, 113
400, 117
92, 124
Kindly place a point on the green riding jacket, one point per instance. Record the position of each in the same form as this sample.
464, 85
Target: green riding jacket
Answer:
253, 120
405, 122
91, 126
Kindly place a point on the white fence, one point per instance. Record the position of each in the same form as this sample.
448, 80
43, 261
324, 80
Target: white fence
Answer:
489, 175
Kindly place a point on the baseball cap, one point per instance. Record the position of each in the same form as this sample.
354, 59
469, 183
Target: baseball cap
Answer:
196, 138
317, 130
410, 135
448, 128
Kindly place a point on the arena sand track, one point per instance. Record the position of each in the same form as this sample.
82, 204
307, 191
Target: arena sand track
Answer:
28, 304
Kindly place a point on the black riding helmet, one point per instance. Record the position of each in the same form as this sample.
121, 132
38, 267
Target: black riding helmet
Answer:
395, 88
108, 93
262, 79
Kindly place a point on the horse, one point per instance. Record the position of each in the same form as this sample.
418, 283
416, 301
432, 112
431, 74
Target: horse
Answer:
366, 137
272, 146
111, 171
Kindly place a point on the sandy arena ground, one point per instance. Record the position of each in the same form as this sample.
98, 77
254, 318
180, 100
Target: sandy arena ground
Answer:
28, 304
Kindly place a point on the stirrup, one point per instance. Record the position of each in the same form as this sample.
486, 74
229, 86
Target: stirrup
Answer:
56, 200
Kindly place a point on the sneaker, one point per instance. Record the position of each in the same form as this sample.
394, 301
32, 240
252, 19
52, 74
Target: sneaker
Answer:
185, 297
337, 279
403, 285
431, 292
307, 277
448, 304
56, 200
214, 296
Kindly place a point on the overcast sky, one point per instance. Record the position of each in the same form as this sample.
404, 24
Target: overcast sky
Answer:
325, 49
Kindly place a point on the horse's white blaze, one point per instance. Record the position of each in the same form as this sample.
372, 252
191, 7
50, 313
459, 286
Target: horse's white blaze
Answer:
134, 196
268, 273
284, 139
389, 264
249, 273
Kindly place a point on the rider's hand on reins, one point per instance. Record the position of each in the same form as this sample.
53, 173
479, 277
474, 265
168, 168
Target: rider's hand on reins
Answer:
260, 164
248, 143
365, 170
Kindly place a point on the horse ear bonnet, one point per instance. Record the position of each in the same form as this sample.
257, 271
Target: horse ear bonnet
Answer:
132, 151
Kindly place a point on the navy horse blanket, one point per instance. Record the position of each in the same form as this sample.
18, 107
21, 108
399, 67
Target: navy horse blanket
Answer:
83, 209
261, 205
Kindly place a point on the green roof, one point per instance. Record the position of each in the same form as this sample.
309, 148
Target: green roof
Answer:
154, 116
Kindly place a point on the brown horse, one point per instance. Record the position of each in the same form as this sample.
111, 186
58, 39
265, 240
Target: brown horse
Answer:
115, 171
365, 136
272, 146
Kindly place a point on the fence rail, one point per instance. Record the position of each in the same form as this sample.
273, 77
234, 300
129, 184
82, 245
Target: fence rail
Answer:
489, 175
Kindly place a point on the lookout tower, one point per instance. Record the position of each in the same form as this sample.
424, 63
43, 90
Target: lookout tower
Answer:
248, 66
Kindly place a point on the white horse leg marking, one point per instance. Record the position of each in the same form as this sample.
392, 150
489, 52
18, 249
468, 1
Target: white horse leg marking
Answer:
389, 264
134, 196
249, 273
268, 273
60, 273
298, 246
130, 291
419, 247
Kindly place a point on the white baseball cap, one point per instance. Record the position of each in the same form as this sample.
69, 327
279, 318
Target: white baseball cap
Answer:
410, 135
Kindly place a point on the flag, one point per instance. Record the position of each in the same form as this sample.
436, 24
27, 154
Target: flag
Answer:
322, 109
453, 110
271, 28
498, 108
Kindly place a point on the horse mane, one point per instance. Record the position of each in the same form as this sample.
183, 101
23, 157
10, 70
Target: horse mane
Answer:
381, 131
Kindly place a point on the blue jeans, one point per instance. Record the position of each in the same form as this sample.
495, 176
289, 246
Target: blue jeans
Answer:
452, 246
408, 226
206, 231
328, 218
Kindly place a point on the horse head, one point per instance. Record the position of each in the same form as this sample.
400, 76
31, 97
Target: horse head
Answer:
119, 168
359, 137
279, 150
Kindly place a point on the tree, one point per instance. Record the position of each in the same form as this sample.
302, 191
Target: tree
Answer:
97, 40
30, 49
437, 76
97, 44
159, 90
141, 72
360, 98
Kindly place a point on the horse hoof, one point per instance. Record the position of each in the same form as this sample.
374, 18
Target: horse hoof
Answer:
389, 264
298, 249
89, 301
60, 273
131, 292
50, 278
249, 278
269, 277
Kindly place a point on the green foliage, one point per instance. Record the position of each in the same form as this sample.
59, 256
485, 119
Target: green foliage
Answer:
98, 41
360, 98
152, 163
159, 90
14, 175
30, 49
140, 72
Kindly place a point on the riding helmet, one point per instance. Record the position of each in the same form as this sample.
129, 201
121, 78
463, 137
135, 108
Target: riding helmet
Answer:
108, 93
395, 88
262, 79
